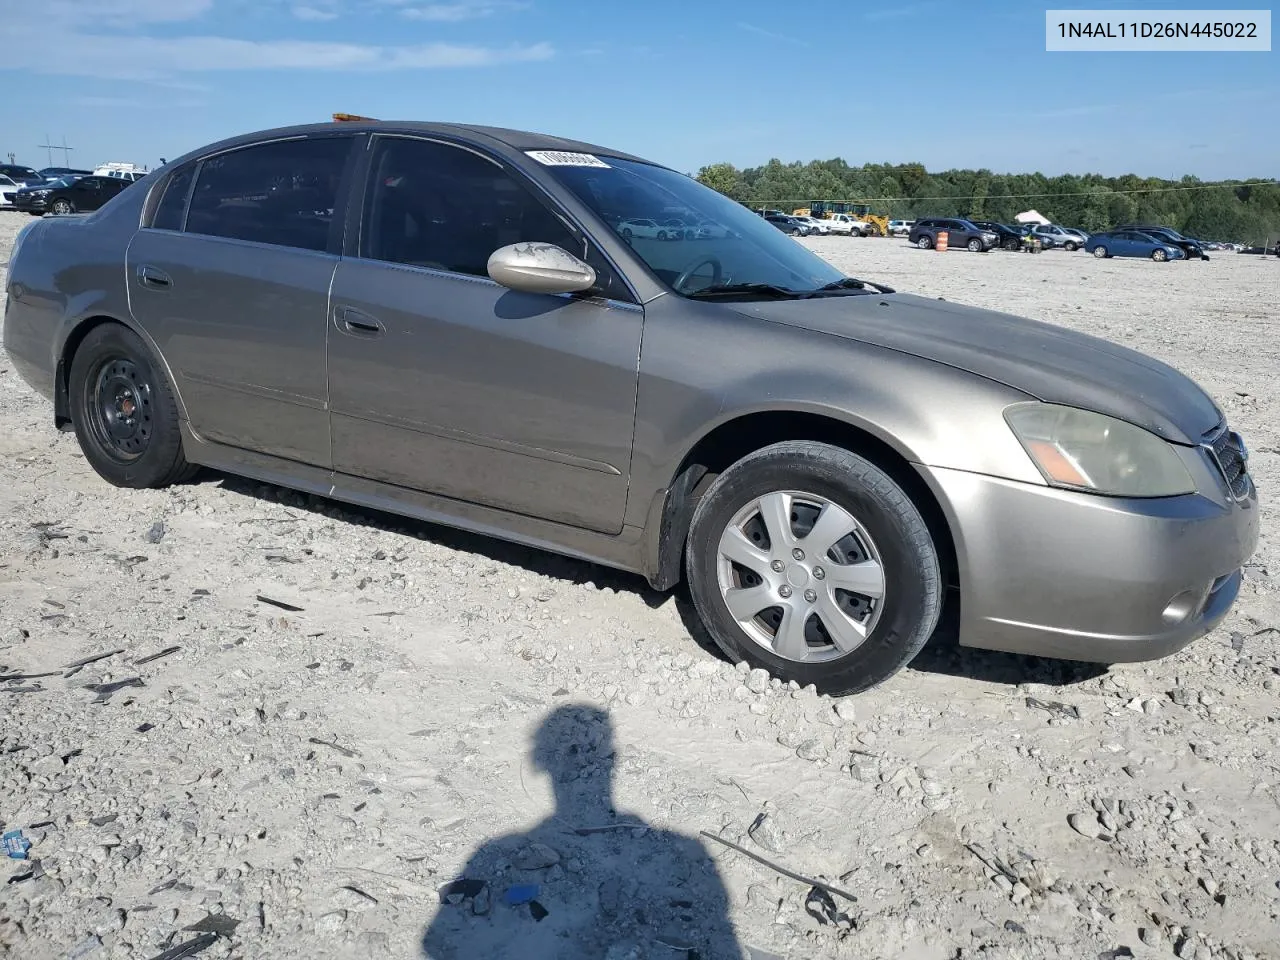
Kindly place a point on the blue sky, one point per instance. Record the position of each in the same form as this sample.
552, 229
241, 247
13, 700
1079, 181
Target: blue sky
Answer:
683, 82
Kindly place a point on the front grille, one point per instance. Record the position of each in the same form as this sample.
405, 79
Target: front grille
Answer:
1232, 459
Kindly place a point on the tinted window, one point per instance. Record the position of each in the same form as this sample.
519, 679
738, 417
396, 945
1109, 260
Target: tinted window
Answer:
438, 206
279, 193
173, 203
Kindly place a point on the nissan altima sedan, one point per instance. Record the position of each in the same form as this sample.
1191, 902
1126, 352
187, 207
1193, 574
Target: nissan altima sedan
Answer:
442, 321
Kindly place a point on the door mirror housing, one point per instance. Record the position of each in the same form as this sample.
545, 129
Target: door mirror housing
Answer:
540, 268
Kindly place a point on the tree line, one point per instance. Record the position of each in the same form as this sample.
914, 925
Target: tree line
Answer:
1244, 211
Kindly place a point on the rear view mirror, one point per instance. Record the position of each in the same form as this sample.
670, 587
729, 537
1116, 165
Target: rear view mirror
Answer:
540, 268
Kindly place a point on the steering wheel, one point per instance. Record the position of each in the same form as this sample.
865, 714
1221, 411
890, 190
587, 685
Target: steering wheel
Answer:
717, 272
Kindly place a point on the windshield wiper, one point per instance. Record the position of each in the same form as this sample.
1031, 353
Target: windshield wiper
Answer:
736, 289
852, 283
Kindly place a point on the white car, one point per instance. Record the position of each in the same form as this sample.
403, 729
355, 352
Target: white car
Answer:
848, 225
900, 228
640, 227
820, 227
8, 187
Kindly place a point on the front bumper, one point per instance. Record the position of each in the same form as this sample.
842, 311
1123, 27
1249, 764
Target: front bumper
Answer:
31, 204
1057, 573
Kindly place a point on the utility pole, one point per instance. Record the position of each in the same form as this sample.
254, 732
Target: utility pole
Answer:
66, 151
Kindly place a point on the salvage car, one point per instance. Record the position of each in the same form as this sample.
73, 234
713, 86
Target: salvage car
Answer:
70, 194
439, 321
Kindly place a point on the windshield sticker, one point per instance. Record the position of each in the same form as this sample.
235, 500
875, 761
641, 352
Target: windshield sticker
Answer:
560, 158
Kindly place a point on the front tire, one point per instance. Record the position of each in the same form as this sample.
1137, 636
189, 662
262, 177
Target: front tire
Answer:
125, 412
975, 246
809, 561
1069, 246
63, 207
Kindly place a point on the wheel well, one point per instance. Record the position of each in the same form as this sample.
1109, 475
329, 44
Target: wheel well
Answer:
61, 398
732, 441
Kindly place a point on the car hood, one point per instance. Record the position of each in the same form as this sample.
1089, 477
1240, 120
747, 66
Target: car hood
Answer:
1048, 362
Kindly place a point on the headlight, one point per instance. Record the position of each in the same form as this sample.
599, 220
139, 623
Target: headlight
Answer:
1080, 450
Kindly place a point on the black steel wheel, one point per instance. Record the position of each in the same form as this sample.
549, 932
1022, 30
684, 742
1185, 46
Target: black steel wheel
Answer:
124, 411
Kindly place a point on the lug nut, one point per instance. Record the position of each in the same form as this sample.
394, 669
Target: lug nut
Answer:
777, 566
784, 591
798, 553
819, 573
810, 596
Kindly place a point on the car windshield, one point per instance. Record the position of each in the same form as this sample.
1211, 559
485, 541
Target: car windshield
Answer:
723, 245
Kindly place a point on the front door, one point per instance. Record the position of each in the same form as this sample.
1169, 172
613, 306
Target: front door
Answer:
234, 287
443, 381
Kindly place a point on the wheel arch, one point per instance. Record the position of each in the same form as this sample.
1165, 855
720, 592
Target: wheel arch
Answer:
67, 351
728, 442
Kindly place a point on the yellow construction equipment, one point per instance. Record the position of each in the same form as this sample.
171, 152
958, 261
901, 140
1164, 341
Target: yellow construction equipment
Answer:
825, 209
351, 118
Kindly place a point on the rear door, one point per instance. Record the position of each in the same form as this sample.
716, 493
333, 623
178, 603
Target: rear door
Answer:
232, 279
443, 381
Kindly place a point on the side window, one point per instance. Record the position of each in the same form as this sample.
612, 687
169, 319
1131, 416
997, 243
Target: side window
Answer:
280, 193
173, 202
443, 207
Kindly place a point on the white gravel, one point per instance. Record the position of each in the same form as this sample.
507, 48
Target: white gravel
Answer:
968, 822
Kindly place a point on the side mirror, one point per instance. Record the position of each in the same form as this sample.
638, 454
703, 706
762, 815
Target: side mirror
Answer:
540, 268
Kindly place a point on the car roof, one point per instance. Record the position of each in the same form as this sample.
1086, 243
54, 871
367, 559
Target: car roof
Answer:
521, 140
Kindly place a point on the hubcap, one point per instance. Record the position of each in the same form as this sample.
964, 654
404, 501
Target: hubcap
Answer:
801, 576
120, 409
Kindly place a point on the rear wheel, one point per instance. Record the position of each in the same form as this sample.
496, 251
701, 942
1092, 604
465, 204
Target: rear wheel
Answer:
124, 411
810, 562
925, 242
1159, 256
1100, 252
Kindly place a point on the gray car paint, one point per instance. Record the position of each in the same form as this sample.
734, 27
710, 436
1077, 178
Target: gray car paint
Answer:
927, 379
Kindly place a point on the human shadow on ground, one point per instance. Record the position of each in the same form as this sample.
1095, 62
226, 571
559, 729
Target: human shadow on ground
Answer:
942, 655
588, 882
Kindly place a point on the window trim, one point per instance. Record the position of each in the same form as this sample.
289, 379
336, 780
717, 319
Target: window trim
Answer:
361, 202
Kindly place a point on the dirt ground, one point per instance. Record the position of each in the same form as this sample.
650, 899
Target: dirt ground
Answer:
301, 783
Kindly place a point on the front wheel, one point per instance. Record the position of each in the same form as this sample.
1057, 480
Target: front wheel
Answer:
124, 411
809, 561
1100, 252
975, 245
1068, 245
63, 207
1159, 256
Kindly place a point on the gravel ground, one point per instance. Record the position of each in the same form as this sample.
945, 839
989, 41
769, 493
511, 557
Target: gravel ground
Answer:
300, 783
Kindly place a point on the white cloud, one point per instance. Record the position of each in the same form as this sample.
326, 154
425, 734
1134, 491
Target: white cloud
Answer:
454, 12
153, 58
314, 13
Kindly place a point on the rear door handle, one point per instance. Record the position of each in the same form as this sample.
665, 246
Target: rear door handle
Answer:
149, 276
359, 324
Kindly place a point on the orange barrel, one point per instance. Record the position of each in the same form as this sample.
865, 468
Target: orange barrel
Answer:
941, 243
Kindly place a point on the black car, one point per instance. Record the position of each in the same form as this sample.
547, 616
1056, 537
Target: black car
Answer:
68, 195
20, 174
1192, 248
960, 233
1008, 237
57, 173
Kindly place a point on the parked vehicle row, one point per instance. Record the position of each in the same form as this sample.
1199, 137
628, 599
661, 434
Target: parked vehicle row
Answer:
443, 321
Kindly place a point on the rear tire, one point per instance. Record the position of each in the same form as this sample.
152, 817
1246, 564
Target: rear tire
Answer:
925, 242
817, 489
1100, 252
1159, 256
124, 411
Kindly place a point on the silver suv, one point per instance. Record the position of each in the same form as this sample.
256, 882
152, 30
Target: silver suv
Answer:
450, 322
